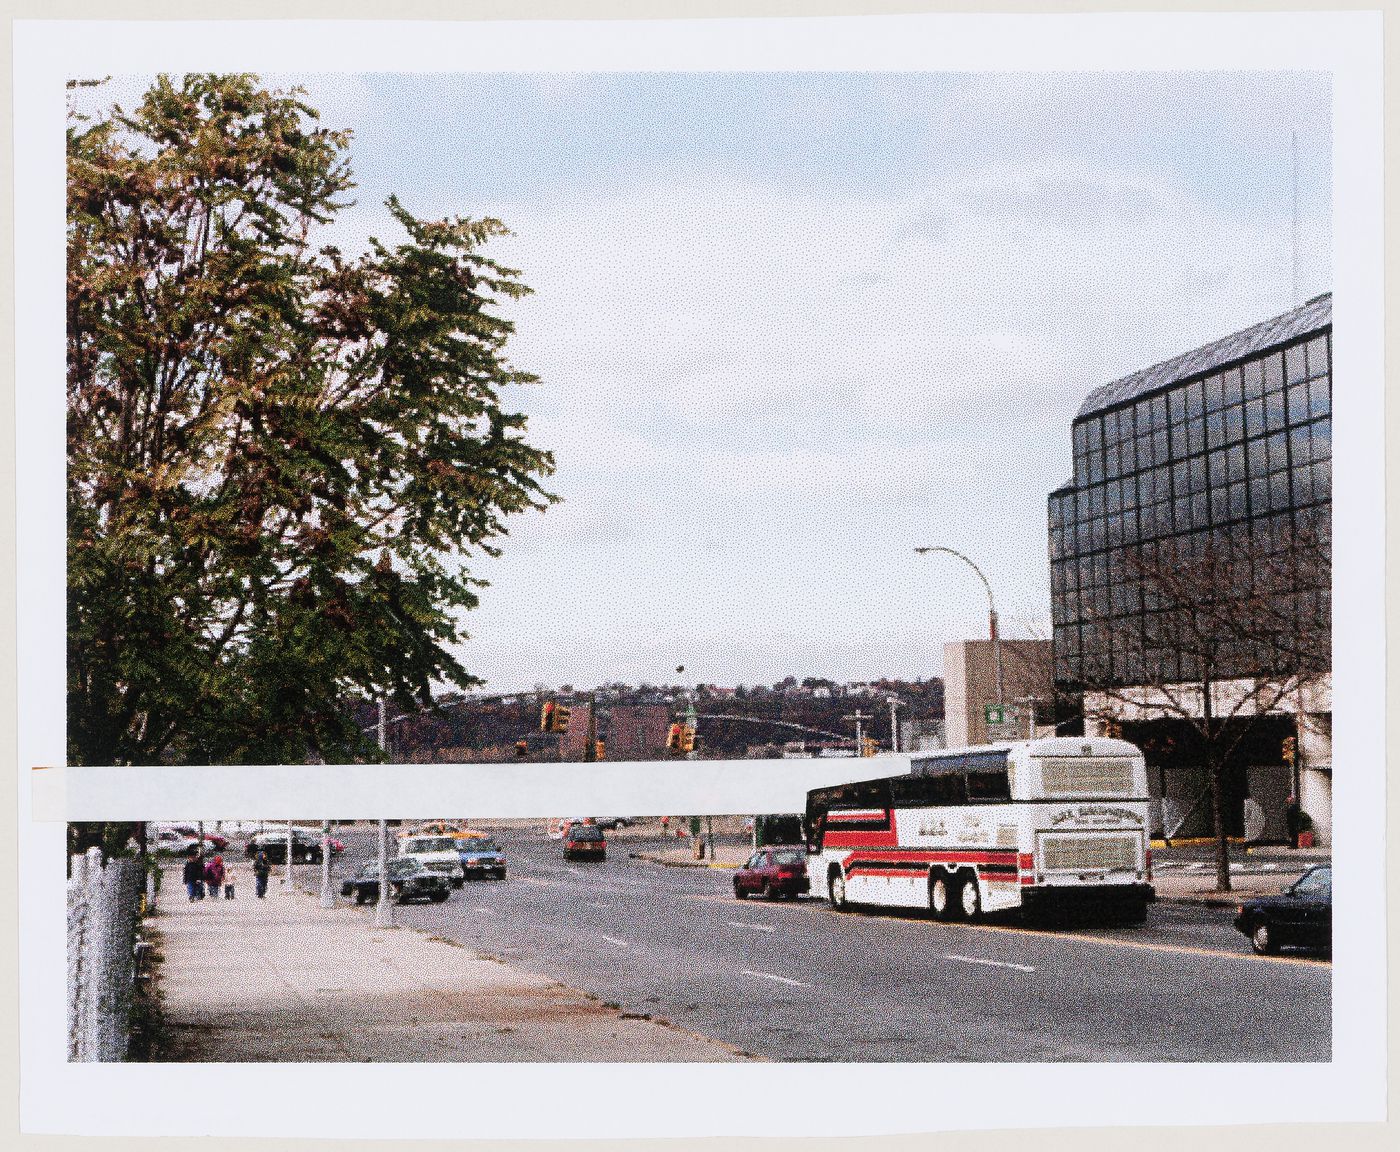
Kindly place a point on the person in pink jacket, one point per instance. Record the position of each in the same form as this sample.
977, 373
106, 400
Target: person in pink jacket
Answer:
214, 875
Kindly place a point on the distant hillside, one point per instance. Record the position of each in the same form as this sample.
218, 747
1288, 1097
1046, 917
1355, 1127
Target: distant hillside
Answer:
487, 729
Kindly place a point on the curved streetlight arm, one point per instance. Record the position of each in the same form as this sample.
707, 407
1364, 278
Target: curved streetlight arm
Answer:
991, 608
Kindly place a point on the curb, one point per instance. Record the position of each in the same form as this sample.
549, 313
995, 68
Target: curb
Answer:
1202, 901
680, 863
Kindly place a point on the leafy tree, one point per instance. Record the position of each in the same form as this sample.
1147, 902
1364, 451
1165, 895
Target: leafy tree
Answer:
279, 456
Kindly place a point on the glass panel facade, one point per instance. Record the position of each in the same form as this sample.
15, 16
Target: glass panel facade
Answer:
1242, 450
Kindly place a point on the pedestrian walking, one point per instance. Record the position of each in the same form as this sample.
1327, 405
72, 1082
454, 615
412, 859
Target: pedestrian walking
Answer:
261, 871
228, 883
214, 876
193, 875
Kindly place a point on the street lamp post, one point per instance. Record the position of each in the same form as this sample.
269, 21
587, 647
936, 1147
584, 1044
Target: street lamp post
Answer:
383, 909
991, 609
327, 899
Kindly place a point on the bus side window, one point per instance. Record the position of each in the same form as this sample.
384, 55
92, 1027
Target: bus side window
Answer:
988, 786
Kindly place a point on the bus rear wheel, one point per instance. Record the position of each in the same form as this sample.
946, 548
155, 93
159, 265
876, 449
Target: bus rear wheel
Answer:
969, 902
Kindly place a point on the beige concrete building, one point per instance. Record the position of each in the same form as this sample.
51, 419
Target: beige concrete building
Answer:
970, 684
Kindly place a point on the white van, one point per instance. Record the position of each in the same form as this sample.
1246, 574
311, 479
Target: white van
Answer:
437, 854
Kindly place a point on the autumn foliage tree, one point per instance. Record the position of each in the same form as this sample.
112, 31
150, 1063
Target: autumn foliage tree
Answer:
280, 457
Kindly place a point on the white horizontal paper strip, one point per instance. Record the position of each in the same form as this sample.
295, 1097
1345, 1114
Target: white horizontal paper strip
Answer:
419, 791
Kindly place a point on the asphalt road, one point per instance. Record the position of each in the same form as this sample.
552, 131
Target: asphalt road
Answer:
798, 981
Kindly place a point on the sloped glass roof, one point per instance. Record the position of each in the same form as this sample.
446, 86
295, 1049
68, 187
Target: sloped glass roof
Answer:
1307, 318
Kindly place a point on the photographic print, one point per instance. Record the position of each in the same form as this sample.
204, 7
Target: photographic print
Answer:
777, 565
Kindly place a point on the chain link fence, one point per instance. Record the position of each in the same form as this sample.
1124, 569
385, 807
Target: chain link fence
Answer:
103, 909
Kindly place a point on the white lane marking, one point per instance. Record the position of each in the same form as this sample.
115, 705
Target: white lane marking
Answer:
573, 871
483, 908
770, 976
596, 904
614, 940
751, 927
989, 963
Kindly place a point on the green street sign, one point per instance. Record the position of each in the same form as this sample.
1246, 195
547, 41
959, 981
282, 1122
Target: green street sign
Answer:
995, 714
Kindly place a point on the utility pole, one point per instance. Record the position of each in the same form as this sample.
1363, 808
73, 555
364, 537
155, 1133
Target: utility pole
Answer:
1295, 219
1029, 702
287, 877
859, 717
590, 752
691, 720
894, 724
383, 909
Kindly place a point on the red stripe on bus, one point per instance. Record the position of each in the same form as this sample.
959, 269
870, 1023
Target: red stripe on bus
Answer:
861, 839
930, 856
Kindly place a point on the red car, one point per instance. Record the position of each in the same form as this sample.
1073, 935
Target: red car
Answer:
774, 872
585, 842
218, 840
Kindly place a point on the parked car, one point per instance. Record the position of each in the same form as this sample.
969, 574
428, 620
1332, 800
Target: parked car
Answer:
613, 822
773, 872
408, 881
585, 842
436, 853
480, 856
168, 842
306, 846
1300, 915
191, 831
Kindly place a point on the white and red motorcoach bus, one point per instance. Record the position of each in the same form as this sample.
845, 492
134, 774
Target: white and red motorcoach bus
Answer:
1038, 824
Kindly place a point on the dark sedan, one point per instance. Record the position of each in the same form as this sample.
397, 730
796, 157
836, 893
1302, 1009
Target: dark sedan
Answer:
585, 842
1300, 915
481, 857
408, 881
773, 872
306, 846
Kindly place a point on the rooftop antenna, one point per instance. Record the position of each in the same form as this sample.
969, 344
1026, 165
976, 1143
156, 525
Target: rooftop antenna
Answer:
1295, 218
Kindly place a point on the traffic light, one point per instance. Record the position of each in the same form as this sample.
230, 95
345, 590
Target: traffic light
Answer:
522, 747
554, 717
673, 738
597, 749
687, 739
868, 746
1290, 749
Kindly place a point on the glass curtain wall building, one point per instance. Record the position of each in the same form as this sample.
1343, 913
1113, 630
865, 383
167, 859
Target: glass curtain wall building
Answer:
1230, 442
1234, 436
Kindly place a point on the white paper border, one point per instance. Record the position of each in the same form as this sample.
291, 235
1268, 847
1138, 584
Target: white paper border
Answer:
505, 1101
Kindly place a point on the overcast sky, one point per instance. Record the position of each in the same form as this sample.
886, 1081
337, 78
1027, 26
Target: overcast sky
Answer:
790, 326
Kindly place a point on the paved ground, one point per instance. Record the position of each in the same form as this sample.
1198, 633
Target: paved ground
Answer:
800, 981
282, 979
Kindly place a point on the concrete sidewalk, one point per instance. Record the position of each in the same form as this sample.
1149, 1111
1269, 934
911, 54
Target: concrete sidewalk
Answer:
283, 979
1174, 884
